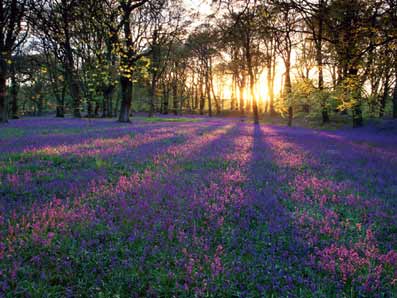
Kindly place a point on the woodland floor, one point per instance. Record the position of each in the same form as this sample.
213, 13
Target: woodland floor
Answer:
192, 207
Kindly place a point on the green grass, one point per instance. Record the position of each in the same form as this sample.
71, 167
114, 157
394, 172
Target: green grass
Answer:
10, 132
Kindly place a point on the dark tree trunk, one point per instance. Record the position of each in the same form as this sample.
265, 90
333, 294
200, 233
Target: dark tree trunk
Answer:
252, 87
233, 95
241, 91
356, 109
104, 106
14, 96
166, 99
202, 104
319, 58
357, 116
128, 60
395, 99
90, 109
40, 105
208, 92
152, 96
290, 115
107, 101
126, 98
70, 76
386, 89
196, 98
270, 82
73, 87
60, 110
217, 104
288, 88
96, 111
202, 97
175, 99
324, 109
3, 92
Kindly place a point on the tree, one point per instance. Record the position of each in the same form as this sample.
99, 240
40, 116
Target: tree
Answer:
166, 27
134, 20
56, 21
244, 30
12, 34
284, 35
201, 44
314, 13
353, 29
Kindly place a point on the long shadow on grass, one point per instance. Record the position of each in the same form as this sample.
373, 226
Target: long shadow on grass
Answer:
269, 255
324, 191
71, 175
33, 137
155, 222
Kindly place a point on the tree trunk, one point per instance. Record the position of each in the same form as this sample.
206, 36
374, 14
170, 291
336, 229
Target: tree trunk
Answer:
252, 89
70, 77
14, 96
356, 109
40, 105
3, 91
166, 99
96, 110
241, 94
233, 95
152, 96
107, 101
270, 83
196, 98
175, 100
290, 115
395, 99
202, 97
104, 106
60, 110
357, 116
127, 62
126, 98
287, 89
90, 109
208, 92
385, 95
319, 58
217, 104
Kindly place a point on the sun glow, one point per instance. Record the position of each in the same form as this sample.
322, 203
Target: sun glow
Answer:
224, 89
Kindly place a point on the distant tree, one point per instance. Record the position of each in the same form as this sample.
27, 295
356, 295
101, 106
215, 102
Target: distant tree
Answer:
57, 21
201, 44
166, 28
244, 29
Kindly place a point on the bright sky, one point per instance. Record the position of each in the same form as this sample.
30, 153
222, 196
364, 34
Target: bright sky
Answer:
201, 6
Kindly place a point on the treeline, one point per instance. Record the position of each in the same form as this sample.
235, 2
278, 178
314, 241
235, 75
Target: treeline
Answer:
108, 58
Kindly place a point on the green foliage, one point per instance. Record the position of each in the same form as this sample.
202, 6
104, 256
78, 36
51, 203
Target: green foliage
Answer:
348, 94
